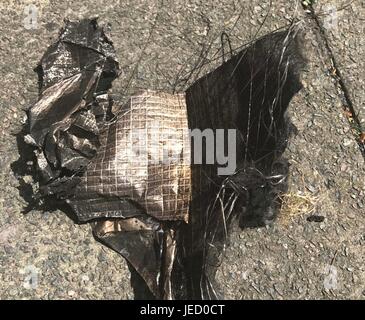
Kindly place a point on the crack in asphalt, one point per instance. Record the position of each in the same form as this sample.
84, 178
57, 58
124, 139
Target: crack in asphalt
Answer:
336, 74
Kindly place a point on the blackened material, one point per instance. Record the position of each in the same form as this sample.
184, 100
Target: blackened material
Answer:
140, 208
142, 165
315, 218
87, 156
133, 181
139, 240
64, 123
249, 93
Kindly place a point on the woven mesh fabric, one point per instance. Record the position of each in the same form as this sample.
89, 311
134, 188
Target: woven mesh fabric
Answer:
143, 164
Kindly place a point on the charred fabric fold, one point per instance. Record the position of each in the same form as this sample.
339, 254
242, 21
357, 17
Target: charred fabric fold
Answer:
169, 219
64, 124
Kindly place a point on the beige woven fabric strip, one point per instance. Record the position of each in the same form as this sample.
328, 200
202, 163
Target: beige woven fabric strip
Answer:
144, 159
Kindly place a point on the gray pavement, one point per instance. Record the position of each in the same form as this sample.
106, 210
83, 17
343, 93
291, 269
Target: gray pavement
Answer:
343, 22
293, 258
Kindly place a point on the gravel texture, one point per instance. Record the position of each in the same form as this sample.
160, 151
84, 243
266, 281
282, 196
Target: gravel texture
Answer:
343, 23
293, 258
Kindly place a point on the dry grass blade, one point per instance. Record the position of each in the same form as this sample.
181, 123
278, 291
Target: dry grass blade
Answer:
295, 204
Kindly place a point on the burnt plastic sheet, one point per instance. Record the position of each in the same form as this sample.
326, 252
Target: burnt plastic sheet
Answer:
250, 93
132, 178
110, 168
143, 164
131, 174
149, 246
140, 235
64, 123
81, 46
